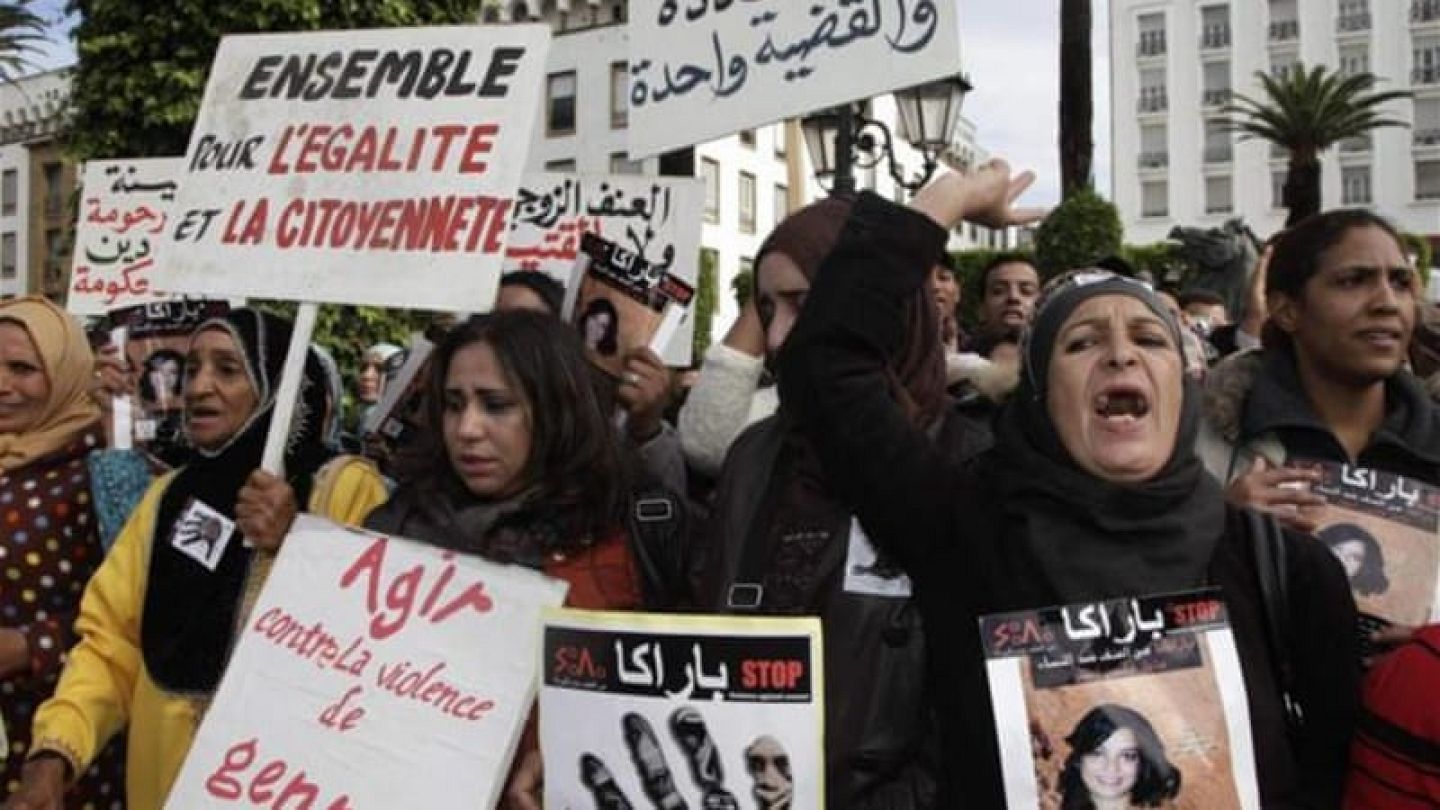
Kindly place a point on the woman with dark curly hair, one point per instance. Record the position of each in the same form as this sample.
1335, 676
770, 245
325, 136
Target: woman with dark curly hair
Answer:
1360, 555
1116, 761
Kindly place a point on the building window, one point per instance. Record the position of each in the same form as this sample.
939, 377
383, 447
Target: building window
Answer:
1217, 83
619, 95
1214, 27
1425, 61
1152, 91
1427, 180
1154, 199
747, 138
567, 165
1355, 185
1218, 147
1284, 21
710, 173
560, 104
9, 191
620, 163
1217, 195
1277, 189
7, 256
1354, 59
1152, 35
1154, 147
781, 203
1354, 16
747, 202
54, 197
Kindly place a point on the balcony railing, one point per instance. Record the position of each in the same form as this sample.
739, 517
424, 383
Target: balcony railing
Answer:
1424, 11
1284, 30
1219, 154
1215, 36
1152, 101
1426, 137
1215, 97
1152, 43
1429, 74
1353, 21
1359, 143
1154, 160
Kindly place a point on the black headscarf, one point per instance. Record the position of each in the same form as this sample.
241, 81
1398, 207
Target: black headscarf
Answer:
1086, 537
190, 610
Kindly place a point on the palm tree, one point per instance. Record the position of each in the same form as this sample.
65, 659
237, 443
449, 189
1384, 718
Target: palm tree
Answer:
1305, 113
20, 30
1077, 146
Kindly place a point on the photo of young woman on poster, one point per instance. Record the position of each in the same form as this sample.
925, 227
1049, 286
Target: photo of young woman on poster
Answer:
1116, 761
600, 327
160, 379
1360, 555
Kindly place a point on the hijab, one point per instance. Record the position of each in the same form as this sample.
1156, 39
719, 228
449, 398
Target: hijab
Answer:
69, 368
1089, 538
190, 608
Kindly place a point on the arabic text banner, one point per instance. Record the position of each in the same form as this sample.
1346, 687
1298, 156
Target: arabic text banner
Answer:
699, 711
656, 218
125, 208
362, 167
699, 70
373, 670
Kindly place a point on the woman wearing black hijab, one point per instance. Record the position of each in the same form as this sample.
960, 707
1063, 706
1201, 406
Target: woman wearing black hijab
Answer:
1093, 490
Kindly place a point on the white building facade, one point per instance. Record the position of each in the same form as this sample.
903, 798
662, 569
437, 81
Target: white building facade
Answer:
1174, 63
753, 179
32, 179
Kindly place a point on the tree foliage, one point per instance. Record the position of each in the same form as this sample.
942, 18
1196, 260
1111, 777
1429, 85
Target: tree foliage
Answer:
1306, 112
1082, 230
348, 331
707, 297
21, 30
143, 65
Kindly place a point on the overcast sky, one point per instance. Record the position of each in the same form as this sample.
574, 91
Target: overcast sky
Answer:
1011, 49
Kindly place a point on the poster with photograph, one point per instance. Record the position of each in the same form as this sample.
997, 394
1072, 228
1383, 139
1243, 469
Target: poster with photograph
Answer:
657, 218
621, 301
1136, 699
157, 336
1385, 531
399, 414
373, 672
666, 710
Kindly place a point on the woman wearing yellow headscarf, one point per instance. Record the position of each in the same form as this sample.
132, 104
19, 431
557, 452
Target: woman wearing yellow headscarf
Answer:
49, 546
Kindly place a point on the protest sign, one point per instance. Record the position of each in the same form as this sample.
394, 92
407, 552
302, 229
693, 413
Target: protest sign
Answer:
362, 167
125, 209
700, 70
656, 218
373, 671
682, 711
399, 414
157, 335
1385, 531
622, 302
1140, 699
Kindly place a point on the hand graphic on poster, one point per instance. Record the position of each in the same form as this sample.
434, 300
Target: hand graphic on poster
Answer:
765, 758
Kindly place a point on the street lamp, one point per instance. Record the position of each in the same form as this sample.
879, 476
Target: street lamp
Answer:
841, 138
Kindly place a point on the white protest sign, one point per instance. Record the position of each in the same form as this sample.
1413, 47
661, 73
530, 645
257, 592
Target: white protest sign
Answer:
657, 218
372, 672
699, 70
125, 208
363, 167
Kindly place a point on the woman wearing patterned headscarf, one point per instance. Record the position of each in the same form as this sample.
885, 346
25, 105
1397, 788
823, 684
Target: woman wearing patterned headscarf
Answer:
49, 545
157, 622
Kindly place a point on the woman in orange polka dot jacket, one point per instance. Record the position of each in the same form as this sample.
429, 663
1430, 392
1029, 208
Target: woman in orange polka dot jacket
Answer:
49, 546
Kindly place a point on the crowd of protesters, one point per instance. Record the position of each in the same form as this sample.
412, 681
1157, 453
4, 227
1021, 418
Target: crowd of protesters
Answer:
1090, 437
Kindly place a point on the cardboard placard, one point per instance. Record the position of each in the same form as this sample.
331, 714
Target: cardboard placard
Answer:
700, 70
360, 167
699, 711
1140, 699
656, 218
377, 670
126, 207
623, 301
